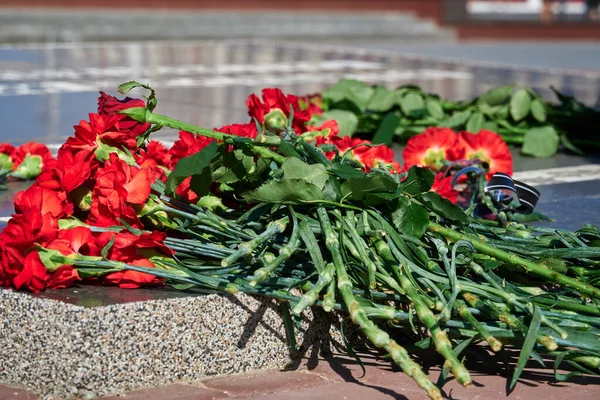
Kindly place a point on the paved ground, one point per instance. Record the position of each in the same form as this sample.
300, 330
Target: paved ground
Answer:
338, 377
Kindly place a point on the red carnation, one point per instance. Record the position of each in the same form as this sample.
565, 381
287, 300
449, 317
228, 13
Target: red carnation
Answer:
69, 171
64, 277
431, 148
6, 151
187, 145
128, 247
274, 110
110, 105
29, 159
118, 187
327, 128
381, 157
33, 275
133, 279
77, 240
242, 130
156, 152
488, 147
443, 186
44, 200
313, 104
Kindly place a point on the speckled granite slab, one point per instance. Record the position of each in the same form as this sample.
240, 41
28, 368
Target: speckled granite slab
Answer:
63, 350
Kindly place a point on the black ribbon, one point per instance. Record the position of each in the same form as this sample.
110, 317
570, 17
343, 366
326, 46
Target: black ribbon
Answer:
504, 190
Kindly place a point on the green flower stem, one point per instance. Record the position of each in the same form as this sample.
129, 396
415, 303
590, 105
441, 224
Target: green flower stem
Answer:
468, 317
378, 337
439, 337
361, 246
519, 262
329, 297
259, 147
284, 254
325, 278
510, 320
246, 248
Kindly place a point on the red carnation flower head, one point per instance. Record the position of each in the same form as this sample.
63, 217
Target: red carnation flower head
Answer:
76, 240
242, 130
29, 159
128, 279
187, 145
327, 128
64, 277
442, 185
118, 188
33, 275
273, 111
431, 148
155, 151
69, 171
6, 152
380, 157
313, 104
488, 147
110, 105
128, 247
104, 134
44, 200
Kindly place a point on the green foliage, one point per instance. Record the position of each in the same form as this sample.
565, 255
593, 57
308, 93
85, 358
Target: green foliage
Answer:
410, 218
512, 111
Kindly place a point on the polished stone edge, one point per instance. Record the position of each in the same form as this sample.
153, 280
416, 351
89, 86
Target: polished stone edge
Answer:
61, 350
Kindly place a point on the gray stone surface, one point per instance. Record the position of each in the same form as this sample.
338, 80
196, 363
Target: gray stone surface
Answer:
65, 351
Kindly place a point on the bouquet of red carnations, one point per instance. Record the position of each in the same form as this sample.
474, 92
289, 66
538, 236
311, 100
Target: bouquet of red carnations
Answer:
284, 208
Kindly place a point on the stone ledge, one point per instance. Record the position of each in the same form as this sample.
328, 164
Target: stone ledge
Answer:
67, 351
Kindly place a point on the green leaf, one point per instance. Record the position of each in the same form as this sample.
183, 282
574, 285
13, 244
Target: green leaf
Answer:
489, 265
375, 182
443, 207
475, 122
332, 190
434, 109
346, 171
353, 91
347, 121
412, 104
538, 110
294, 168
520, 104
109, 245
540, 142
528, 344
381, 100
410, 218
418, 180
291, 191
385, 132
126, 87
564, 139
458, 119
309, 239
183, 286
490, 126
496, 96
197, 166
235, 166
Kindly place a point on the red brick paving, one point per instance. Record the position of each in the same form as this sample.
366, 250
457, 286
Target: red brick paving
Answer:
175, 392
13, 393
263, 383
339, 377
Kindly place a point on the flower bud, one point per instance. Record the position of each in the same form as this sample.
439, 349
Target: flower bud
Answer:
6, 162
276, 120
30, 168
